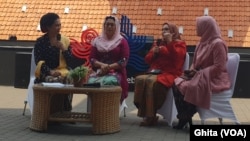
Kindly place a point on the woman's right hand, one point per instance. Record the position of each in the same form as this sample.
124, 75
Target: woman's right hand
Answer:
60, 46
104, 69
157, 49
190, 73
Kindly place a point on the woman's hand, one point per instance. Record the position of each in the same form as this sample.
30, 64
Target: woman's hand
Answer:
55, 73
60, 46
104, 69
190, 73
157, 49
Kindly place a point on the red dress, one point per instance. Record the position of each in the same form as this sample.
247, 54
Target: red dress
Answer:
170, 61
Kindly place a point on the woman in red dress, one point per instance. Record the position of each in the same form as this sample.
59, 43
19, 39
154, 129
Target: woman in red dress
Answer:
150, 89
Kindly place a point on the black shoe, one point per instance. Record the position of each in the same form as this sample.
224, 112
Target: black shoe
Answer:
181, 124
190, 122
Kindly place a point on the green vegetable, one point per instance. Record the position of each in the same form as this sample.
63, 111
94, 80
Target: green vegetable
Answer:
78, 73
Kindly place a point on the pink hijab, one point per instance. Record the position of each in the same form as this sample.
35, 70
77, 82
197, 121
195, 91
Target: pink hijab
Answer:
102, 43
207, 29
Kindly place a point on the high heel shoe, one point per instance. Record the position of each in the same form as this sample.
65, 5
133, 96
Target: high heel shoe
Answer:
182, 123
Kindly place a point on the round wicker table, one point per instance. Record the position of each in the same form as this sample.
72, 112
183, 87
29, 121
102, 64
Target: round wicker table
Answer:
104, 114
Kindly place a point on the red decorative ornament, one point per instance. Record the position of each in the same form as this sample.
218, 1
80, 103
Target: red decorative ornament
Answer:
82, 50
88, 35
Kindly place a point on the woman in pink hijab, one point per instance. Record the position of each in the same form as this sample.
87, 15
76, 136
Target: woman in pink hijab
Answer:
110, 53
207, 73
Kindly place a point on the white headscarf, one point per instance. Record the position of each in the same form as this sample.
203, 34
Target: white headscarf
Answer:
102, 43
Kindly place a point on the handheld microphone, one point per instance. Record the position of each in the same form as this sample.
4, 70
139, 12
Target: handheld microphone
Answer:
58, 37
158, 42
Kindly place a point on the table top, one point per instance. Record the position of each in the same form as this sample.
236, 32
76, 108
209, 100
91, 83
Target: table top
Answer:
72, 89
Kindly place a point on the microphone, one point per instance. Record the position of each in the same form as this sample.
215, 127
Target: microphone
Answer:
158, 42
58, 37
